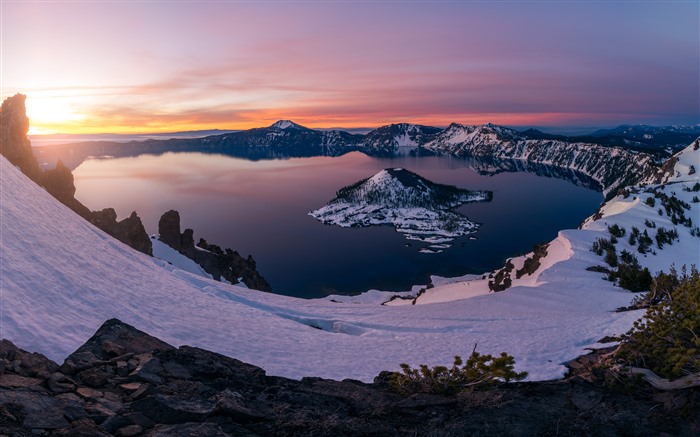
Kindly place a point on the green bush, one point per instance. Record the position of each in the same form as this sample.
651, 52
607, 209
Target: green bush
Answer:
667, 339
479, 371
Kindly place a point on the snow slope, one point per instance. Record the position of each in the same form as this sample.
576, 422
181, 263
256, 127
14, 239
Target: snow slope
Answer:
60, 278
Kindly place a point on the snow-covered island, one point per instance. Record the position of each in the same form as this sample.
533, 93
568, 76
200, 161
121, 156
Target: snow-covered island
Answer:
414, 206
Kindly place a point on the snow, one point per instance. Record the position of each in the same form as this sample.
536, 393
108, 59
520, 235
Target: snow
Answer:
384, 200
61, 278
283, 124
168, 254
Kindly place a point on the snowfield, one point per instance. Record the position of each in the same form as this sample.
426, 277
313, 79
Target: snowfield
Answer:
61, 278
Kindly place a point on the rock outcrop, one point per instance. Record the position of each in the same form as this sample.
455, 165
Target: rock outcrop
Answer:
129, 231
14, 144
58, 181
219, 263
124, 382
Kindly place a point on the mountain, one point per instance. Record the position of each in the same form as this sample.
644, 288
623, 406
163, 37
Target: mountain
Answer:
611, 167
413, 205
658, 141
396, 139
283, 138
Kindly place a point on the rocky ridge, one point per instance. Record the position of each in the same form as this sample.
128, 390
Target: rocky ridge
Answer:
124, 382
225, 264
611, 167
58, 181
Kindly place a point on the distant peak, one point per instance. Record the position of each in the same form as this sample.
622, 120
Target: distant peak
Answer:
286, 124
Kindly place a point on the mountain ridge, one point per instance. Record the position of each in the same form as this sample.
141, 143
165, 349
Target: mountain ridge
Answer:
285, 138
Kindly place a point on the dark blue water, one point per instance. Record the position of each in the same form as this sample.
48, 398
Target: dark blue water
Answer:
260, 208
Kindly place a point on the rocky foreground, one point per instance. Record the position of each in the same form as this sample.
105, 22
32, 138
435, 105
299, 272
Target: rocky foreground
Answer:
124, 382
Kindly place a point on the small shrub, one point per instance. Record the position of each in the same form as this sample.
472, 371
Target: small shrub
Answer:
645, 242
628, 258
634, 235
650, 201
634, 278
650, 224
616, 231
611, 257
601, 245
478, 371
664, 236
667, 339
691, 170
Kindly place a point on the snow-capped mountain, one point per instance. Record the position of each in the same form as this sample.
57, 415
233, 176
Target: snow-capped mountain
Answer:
283, 138
287, 124
396, 139
413, 205
611, 167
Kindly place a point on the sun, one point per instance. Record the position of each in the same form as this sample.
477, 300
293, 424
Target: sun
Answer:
50, 115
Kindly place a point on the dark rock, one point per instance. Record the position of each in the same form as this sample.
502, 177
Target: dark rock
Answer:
86, 430
122, 368
37, 410
231, 404
14, 144
129, 431
15, 381
74, 410
149, 370
99, 412
172, 409
89, 393
129, 231
60, 383
112, 424
169, 229
95, 377
187, 430
585, 399
114, 332
198, 392
138, 418
26, 363
219, 263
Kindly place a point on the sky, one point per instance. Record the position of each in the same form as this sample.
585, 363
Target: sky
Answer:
164, 66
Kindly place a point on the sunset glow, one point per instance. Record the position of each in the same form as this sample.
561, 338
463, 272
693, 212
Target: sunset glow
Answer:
136, 67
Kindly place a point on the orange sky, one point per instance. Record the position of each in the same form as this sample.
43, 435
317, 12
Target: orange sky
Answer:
137, 67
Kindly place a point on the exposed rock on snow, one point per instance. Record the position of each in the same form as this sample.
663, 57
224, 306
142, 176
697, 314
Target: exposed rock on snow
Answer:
223, 265
58, 181
14, 144
125, 382
415, 206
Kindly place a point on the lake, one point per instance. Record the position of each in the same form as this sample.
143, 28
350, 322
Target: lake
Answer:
261, 208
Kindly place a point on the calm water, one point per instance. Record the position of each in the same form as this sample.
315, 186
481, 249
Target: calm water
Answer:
260, 208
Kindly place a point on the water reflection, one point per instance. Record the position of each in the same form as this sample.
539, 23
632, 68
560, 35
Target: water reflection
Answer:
260, 208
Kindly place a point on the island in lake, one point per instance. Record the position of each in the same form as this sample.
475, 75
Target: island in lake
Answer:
419, 209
